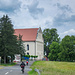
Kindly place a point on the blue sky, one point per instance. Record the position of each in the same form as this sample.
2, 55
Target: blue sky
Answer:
59, 14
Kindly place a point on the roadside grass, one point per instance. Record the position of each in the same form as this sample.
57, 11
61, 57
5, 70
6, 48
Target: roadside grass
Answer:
53, 68
9, 64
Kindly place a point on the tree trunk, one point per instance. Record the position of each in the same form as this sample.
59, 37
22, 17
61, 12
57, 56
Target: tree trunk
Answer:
11, 58
4, 59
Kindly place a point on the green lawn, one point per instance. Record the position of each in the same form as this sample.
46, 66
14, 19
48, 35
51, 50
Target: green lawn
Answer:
53, 68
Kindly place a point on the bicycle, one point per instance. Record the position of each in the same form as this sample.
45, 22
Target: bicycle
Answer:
22, 69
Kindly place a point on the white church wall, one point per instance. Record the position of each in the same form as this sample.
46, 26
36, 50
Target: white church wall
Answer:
31, 50
39, 50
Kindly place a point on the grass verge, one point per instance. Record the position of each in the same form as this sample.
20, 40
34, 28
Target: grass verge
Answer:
53, 68
10, 64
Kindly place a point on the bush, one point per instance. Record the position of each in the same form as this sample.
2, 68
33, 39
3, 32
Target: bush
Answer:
27, 56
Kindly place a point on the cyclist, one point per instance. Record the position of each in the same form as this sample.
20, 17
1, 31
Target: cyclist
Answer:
22, 66
27, 63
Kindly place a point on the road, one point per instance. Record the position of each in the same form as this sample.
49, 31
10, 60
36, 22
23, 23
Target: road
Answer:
15, 70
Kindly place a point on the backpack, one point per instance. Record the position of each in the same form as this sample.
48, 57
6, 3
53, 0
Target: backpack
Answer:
22, 66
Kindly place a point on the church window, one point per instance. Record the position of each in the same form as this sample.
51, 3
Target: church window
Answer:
27, 53
27, 47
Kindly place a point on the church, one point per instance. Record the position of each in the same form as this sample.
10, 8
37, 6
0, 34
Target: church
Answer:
32, 40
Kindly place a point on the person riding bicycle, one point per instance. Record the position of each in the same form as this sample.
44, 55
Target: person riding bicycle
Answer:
22, 66
27, 63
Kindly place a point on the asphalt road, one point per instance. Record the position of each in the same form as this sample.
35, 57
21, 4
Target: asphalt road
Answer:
15, 70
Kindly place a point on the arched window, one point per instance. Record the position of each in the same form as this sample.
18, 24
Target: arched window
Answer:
27, 53
27, 47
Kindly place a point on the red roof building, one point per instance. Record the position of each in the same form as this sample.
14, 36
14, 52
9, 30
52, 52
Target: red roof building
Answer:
27, 34
33, 41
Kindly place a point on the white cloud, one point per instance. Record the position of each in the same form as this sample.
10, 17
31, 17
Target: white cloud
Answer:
9, 5
65, 16
34, 10
2, 13
64, 8
69, 32
59, 14
64, 19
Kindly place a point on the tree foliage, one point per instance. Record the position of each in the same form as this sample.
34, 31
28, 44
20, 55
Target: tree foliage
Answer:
6, 33
54, 50
21, 48
8, 41
50, 35
63, 51
67, 47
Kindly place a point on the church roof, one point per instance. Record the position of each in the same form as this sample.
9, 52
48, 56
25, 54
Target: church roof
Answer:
27, 34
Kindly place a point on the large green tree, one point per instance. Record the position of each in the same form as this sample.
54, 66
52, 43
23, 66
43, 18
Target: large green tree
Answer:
8, 41
6, 29
67, 47
49, 35
54, 50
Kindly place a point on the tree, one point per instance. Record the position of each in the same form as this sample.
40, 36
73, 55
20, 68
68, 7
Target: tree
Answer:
54, 50
21, 49
6, 34
8, 41
50, 35
67, 47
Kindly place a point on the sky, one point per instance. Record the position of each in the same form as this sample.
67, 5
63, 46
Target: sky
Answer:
59, 14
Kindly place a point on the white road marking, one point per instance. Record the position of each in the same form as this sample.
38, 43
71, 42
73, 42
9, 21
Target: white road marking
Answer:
6, 73
10, 70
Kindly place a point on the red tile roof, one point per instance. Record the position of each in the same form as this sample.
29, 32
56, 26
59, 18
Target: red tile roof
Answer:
27, 34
